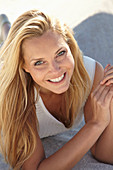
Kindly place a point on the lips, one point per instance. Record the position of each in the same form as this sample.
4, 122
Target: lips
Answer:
57, 80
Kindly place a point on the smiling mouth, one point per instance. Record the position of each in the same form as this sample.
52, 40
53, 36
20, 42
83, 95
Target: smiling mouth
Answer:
57, 80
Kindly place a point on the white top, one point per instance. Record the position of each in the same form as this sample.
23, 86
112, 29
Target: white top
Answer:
49, 125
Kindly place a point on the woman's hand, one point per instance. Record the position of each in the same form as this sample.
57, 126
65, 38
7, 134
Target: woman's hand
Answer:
108, 80
108, 75
102, 97
100, 100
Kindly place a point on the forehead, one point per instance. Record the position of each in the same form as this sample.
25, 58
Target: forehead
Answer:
46, 42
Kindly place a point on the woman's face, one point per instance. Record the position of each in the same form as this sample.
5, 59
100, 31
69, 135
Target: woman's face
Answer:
49, 61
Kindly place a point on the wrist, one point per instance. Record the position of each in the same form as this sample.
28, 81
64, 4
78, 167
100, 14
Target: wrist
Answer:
98, 124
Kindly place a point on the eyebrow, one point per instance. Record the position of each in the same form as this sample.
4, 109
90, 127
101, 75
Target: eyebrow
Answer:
43, 58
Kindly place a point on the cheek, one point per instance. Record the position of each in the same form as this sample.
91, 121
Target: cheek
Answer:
37, 76
71, 62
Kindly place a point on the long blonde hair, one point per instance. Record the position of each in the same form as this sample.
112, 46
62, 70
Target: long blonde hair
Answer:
18, 121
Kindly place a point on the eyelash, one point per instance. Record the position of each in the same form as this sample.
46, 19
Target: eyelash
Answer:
61, 53
38, 63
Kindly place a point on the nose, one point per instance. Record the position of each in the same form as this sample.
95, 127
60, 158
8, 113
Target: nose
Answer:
54, 66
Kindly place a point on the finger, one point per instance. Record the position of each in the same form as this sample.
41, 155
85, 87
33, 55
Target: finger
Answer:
109, 95
96, 89
104, 94
111, 106
108, 74
109, 70
106, 68
107, 78
109, 82
97, 92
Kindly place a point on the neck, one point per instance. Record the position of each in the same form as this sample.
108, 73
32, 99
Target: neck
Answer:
45, 92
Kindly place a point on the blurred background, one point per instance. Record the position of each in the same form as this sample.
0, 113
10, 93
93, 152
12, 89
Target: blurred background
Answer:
70, 11
92, 21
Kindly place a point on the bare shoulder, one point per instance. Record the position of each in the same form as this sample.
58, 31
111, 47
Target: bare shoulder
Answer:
99, 74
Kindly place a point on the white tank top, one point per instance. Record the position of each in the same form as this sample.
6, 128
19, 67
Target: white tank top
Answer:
48, 124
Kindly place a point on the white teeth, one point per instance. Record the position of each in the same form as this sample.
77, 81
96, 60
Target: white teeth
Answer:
57, 79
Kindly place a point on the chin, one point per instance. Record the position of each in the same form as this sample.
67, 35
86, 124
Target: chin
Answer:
61, 91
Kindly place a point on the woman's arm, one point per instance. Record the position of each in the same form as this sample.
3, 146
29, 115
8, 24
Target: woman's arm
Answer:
36, 158
103, 148
70, 153
67, 157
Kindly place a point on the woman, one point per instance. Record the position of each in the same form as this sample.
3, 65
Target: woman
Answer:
45, 83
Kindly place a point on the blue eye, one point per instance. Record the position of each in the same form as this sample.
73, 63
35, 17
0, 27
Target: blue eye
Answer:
38, 63
61, 53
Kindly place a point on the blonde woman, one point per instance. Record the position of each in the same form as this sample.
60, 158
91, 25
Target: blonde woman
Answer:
45, 84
